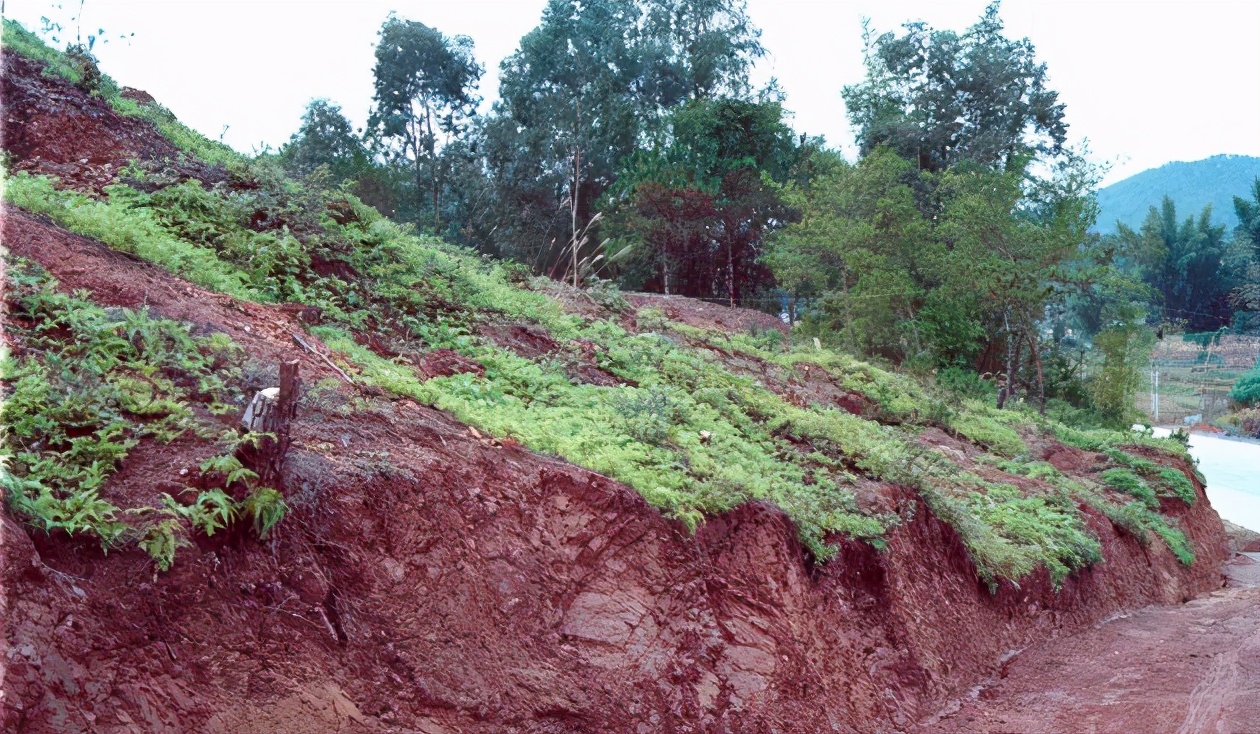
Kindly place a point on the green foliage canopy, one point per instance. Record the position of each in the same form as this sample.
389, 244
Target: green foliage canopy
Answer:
939, 99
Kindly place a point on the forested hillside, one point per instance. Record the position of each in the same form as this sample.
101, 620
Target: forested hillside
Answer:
1191, 185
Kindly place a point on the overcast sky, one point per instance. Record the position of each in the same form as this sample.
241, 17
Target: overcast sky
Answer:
1145, 81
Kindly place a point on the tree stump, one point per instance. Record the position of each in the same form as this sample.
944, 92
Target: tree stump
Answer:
271, 414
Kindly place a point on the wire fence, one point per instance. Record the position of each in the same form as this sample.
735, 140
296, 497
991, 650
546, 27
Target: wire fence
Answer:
1189, 377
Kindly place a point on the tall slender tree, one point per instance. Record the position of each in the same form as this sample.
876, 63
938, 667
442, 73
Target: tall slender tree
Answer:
939, 99
587, 87
425, 95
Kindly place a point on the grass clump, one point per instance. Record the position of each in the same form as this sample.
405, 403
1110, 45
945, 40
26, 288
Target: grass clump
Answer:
1131, 484
1166, 481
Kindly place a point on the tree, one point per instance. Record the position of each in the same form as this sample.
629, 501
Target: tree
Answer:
325, 138
1248, 230
707, 193
425, 94
939, 99
1182, 262
1013, 250
1247, 235
857, 251
582, 93
698, 49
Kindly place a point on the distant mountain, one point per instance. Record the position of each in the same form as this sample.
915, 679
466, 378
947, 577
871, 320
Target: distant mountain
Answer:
1216, 181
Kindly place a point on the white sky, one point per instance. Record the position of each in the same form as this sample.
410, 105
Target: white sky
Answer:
1145, 81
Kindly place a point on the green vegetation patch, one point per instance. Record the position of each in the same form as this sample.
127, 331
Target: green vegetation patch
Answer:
1009, 534
130, 230
79, 67
84, 386
18, 40
1131, 484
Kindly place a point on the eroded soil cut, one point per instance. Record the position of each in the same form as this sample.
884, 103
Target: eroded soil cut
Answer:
432, 580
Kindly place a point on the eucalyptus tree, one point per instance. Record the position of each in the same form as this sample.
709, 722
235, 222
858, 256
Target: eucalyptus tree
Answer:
425, 96
938, 98
586, 88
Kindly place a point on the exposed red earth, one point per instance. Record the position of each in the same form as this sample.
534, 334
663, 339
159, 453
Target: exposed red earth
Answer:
1179, 669
429, 579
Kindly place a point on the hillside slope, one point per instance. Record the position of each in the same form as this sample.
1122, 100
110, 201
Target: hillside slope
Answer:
511, 505
1192, 186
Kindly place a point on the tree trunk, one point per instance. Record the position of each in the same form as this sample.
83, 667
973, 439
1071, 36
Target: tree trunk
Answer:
1005, 392
1012, 378
266, 456
1041, 376
437, 187
433, 161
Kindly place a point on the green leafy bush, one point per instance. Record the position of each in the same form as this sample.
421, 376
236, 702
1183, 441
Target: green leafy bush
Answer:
1246, 390
211, 511
965, 383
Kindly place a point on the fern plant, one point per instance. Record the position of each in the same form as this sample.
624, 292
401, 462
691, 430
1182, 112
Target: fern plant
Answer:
161, 540
267, 507
229, 466
212, 511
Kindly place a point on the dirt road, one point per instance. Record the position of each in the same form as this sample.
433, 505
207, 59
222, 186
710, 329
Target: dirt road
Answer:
1175, 670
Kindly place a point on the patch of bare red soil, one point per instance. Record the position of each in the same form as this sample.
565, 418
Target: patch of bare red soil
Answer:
431, 580
1160, 670
705, 315
52, 127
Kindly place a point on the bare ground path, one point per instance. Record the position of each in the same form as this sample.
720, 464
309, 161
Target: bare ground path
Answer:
1161, 670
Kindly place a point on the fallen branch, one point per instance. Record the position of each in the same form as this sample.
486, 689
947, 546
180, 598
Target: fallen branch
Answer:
307, 346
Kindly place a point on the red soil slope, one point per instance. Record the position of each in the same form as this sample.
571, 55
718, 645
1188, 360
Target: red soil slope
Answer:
431, 581
428, 580
52, 127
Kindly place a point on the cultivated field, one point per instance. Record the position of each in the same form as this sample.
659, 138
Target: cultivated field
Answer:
1195, 375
